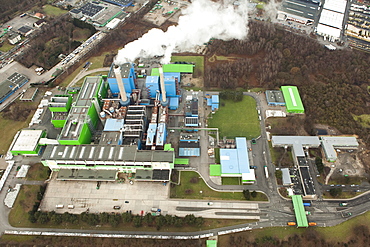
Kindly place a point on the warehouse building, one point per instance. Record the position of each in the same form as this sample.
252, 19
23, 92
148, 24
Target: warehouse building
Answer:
26, 142
275, 98
292, 99
89, 10
331, 19
115, 158
11, 84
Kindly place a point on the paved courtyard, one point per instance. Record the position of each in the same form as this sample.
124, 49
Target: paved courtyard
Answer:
140, 196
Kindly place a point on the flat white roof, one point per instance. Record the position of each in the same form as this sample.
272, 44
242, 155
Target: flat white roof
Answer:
250, 176
328, 31
336, 5
331, 18
27, 140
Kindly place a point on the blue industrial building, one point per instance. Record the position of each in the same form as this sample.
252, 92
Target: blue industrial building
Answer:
112, 132
151, 134
152, 85
213, 102
161, 134
235, 162
11, 84
174, 103
171, 82
113, 124
128, 79
275, 98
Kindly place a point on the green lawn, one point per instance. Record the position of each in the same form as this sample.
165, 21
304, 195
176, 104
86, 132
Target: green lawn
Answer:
231, 181
38, 172
236, 119
198, 60
8, 129
192, 186
6, 46
53, 11
18, 216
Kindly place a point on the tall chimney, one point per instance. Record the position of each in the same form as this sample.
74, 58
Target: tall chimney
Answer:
121, 88
163, 89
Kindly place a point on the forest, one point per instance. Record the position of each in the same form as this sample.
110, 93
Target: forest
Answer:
61, 36
332, 84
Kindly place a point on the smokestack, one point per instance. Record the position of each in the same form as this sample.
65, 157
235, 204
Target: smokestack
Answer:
117, 72
163, 89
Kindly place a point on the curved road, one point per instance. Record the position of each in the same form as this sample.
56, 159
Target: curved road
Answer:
84, 73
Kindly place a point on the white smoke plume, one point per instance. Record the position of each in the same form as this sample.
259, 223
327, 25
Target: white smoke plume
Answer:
200, 22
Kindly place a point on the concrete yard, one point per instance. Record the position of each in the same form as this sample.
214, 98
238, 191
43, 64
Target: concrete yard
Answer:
140, 196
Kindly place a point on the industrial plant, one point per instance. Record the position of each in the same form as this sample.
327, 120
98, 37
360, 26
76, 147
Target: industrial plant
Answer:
116, 126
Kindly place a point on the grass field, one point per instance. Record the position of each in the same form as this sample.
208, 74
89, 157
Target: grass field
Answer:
38, 172
191, 182
18, 216
236, 119
198, 60
53, 11
8, 129
231, 181
6, 46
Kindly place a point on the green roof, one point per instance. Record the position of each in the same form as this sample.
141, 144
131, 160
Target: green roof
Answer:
211, 243
215, 170
179, 161
299, 211
292, 99
174, 68
168, 147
